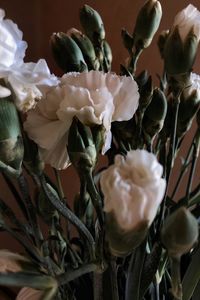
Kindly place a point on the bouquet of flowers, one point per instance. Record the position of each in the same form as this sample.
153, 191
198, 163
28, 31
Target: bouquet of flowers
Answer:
125, 235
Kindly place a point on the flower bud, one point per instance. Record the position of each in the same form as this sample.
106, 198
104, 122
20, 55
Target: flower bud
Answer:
127, 40
146, 93
86, 47
179, 55
11, 143
189, 105
179, 232
147, 23
107, 54
161, 41
81, 148
4, 92
92, 24
142, 79
155, 114
67, 54
32, 157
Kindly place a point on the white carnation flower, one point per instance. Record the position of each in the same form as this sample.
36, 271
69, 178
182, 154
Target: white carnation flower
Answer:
133, 189
25, 79
188, 19
30, 294
93, 97
12, 48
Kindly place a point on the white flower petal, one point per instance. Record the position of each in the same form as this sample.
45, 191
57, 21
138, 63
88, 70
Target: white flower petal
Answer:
125, 193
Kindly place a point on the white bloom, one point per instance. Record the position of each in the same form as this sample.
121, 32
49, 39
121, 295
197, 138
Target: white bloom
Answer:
28, 81
93, 97
12, 48
25, 79
133, 189
188, 19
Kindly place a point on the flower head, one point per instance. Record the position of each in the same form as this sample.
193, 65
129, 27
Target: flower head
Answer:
12, 48
24, 79
133, 189
93, 97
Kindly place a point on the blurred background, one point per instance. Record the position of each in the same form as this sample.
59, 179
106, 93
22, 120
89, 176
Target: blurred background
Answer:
38, 19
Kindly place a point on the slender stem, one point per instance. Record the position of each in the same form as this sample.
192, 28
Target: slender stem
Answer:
30, 210
59, 183
73, 274
183, 170
113, 279
67, 213
98, 286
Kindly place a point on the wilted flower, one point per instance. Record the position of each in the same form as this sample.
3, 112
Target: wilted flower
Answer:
93, 97
133, 188
24, 78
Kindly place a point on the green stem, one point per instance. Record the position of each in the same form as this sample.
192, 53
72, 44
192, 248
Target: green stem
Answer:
192, 276
59, 183
73, 274
113, 279
67, 213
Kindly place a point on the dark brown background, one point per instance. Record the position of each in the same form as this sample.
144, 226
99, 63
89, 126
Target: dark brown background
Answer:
38, 19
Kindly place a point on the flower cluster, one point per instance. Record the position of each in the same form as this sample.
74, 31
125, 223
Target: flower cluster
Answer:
125, 209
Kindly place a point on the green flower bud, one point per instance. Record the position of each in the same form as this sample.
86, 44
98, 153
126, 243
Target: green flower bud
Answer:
179, 232
147, 23
67, 54
11, 143
32, 157
92, 24
127, 40
86, 47
107, 54
155, 114
81, 148
146, 93
142, 78
179, 55
161, 41
189, 105
122, 243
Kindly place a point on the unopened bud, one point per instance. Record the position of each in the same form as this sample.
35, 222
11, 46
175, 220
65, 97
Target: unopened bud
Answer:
81, 148
179, 55
86, 47
161, 41
11, 143
147, 23
67, 53
146, 93
189, 105
127, 40
179, 232
155, 114
92, 24
107, 54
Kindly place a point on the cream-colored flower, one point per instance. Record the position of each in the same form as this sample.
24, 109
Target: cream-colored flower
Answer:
188, 19
133, 189
93, 97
